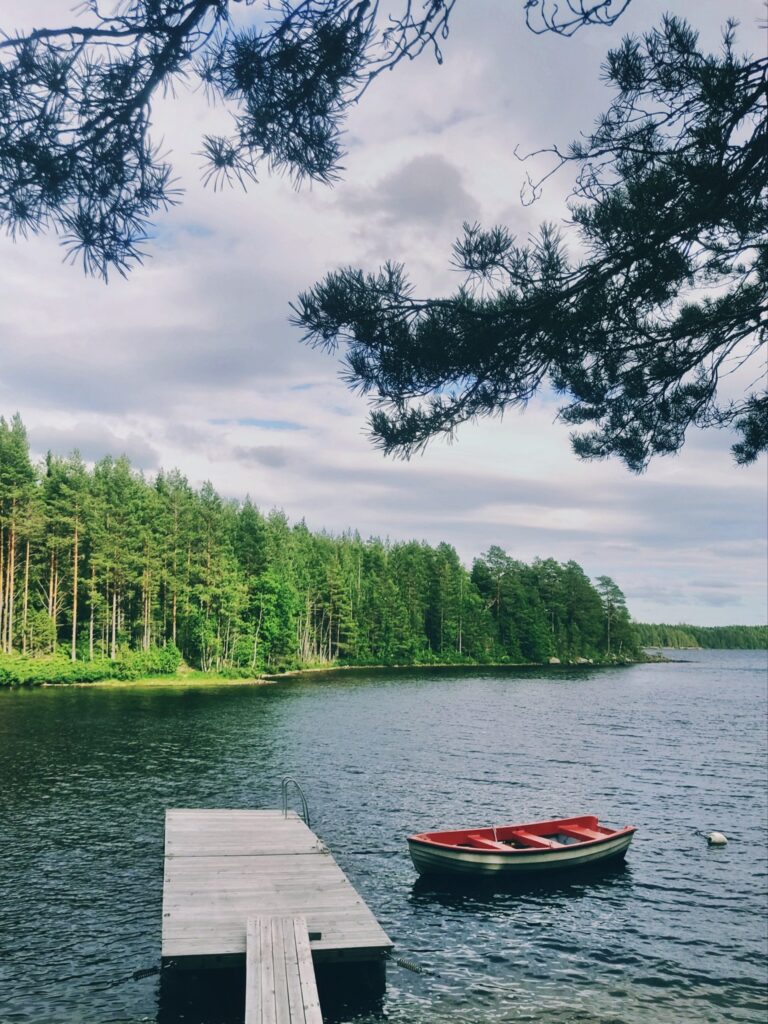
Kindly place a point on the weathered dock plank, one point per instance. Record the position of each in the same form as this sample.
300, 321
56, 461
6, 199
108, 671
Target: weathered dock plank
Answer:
280, 985
224, 867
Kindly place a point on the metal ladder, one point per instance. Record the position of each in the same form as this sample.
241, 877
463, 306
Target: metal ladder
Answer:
288, 780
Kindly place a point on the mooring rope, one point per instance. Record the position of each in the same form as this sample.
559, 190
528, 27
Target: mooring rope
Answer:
409, 965
146, 972
149, 972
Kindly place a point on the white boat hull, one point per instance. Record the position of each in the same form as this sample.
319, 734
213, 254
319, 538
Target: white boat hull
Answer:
432, 859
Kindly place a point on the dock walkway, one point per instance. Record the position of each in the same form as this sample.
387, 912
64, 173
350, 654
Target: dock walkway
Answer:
224, 867
280, 986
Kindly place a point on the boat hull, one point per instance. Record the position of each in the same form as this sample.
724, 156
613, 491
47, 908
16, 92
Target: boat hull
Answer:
563, 844
432, 861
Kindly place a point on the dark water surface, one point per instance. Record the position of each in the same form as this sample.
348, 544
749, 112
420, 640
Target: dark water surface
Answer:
678, 934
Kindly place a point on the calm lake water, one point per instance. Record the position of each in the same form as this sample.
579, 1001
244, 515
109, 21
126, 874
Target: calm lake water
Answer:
678, 934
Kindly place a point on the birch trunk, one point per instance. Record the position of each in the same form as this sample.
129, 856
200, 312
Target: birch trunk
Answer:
2, 588
91, 619
75, 581
25, 613
11, 586
113, 654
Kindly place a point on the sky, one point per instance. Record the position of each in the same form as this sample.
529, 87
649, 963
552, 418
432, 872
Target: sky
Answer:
192, 362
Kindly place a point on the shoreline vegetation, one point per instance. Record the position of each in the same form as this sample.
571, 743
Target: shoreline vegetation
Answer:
35, 672
196, 677
108, 575
185, 676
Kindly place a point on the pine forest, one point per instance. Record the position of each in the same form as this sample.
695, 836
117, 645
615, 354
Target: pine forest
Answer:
105, 573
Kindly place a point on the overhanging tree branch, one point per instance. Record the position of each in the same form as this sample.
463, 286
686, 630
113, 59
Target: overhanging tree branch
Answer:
75, 104
670, 209
75, 101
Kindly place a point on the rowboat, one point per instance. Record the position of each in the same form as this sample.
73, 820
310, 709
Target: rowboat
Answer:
557, 845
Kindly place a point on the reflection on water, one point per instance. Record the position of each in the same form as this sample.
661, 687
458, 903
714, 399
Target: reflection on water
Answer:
346, 993
672, 935
471, 893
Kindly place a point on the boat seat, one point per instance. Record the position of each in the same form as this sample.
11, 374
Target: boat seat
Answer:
581, 832
529, 839
481, 843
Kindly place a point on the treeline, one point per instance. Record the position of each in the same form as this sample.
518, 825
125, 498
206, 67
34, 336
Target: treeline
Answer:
731, 638
97, 563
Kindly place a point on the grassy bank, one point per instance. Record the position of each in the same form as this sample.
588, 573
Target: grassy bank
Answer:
25, 670
181, 680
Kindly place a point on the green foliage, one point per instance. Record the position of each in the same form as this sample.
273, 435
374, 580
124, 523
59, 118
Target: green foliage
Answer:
732, 638
19, 670
670, 212
128, 575
548, 609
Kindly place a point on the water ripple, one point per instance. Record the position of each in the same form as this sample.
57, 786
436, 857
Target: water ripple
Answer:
674, 935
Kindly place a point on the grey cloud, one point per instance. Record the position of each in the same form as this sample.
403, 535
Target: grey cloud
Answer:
661, 595
134, 361
262, 455
716, 600
428, 190
717, 585
438, 125
186, 437
692, 515
155, 370
93, 443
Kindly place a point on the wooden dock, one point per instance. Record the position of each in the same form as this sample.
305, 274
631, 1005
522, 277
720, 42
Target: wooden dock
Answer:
224, 867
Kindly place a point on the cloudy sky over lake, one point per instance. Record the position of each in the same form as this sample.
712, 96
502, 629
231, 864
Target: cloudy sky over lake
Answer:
192, 362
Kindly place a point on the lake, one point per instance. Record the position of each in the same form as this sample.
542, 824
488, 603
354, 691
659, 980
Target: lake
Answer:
677, 934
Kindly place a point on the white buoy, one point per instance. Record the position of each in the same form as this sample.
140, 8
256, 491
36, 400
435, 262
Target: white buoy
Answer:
716, 839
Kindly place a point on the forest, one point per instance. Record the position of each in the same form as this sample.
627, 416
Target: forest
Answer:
104, 573
730, 638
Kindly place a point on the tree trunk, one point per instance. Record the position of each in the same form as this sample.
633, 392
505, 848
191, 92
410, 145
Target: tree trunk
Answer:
25, 614
53, 597
461, 610
145, 612
91, 619
256, 638
608, 625
2, 588
75, 580
113, 653
11, 583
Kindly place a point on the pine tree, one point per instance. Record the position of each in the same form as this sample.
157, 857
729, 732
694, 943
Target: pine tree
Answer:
17, 490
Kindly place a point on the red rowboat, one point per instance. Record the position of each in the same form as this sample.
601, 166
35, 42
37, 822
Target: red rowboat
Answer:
560, 844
